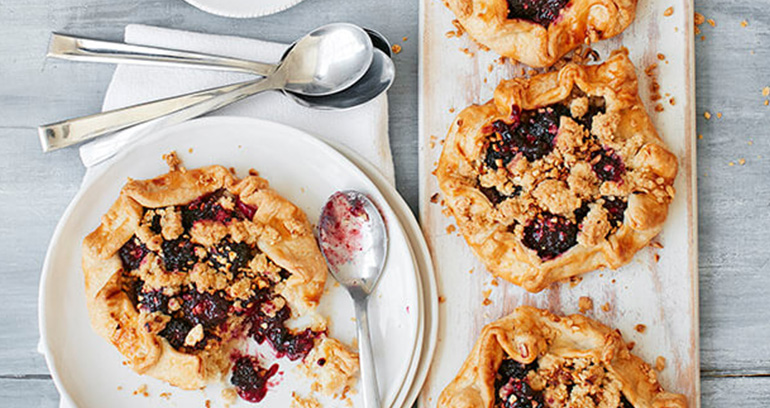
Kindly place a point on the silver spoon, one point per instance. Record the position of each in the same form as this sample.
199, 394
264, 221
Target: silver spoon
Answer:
376, 81
354, 242
326, 61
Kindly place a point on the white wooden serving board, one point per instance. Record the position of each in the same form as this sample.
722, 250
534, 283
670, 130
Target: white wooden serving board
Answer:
662, 295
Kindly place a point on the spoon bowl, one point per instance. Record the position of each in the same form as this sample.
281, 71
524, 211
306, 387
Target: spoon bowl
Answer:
354, 241
377, 79
326, 61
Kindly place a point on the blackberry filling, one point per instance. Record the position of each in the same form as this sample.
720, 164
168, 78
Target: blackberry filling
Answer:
550, 235
595, 107
178, 255
531, 133
615, 207
512, 389
495, 197
267, 323
206, 207
205, 308
581, 212
176, 331
247, 211
153, 301
624, 402
542, 12
155, 225
250, 379
607, 165
228, 256
132, 253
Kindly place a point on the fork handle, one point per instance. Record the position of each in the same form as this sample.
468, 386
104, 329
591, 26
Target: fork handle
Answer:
69, 132
74, 48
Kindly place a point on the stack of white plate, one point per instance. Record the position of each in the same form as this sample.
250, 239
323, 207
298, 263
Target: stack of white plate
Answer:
243, 8
404, 309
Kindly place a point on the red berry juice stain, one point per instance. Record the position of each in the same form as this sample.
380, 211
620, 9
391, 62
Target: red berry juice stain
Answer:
342, 221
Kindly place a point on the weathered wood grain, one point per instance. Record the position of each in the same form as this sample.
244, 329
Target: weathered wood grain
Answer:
662, 295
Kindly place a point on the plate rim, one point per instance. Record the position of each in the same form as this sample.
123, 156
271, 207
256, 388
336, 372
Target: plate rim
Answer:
92, 175
254, 14
430, 289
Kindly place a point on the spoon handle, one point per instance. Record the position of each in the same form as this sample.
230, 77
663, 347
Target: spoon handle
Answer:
85, 49
66, 133
371, 393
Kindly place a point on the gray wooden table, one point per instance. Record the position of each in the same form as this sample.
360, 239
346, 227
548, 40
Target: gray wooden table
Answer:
734, 200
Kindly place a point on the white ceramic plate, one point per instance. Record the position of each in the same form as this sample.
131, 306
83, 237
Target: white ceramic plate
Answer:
243, 8
88, 370
425, 266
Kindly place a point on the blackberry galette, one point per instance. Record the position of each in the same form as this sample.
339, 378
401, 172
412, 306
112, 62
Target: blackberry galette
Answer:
559, 174
186, 266
539, 32
534, 359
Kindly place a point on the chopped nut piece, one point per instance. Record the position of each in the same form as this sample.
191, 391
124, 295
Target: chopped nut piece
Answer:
640, 328
606, 307
660, 363
395, 48
669, 11
585, 304
699, 19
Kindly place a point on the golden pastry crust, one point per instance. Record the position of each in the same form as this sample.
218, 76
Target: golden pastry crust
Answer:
332, 367
560, 350
278, 230
603, 148
580, 22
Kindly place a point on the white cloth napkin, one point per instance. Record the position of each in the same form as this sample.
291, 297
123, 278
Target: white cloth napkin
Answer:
363, 129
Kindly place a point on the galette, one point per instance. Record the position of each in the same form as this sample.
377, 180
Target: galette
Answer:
186, 265
560, 174
539, 32
534, 359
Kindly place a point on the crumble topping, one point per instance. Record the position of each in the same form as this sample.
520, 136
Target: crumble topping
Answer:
198, 280
557, 177
557, 382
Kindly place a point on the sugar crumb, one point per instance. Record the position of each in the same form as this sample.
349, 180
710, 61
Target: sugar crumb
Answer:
640, 328
669, 11
395, 48
142, 390
660, 363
